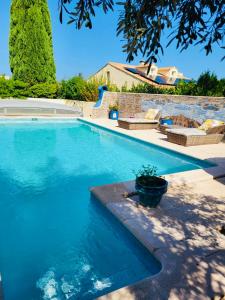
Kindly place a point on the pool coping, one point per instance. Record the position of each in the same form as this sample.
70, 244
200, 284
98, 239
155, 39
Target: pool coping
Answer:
172, 253
133, 217
211, 172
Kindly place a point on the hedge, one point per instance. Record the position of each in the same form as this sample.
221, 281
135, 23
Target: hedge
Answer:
75, 88
78, 88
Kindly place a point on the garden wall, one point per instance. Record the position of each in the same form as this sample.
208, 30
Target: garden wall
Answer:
196, 107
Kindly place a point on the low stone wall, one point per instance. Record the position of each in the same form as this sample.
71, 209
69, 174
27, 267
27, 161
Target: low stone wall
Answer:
196, 107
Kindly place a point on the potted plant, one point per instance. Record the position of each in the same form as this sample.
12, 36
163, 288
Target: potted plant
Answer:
149, 186
114, 111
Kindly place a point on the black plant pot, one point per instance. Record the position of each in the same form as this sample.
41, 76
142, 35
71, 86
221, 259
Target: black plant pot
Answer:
151, 194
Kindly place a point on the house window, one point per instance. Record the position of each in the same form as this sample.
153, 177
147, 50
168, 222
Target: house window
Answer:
108, 77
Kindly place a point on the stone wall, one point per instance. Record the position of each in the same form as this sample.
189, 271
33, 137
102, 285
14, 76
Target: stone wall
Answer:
196, 107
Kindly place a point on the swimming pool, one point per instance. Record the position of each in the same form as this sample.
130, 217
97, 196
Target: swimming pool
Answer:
56, 242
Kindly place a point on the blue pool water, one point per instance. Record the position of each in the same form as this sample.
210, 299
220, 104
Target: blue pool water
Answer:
57, 243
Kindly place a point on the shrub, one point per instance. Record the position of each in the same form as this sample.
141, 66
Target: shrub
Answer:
221, 88
77, 88
44, 90
149, 89
207, 84
72, 88
186, 88
13, 88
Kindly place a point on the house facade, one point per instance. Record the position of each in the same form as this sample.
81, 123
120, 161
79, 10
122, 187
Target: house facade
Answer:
129, 75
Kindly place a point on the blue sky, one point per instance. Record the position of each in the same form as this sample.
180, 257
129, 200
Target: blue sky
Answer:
85, 51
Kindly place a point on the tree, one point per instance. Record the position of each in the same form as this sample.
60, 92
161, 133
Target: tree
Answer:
207, 84
143, 22
30, 43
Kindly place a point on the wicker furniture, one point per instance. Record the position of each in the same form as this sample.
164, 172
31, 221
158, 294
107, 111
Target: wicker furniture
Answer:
179, 121
139, 121
163, 127
137, 124
183, 121
212, 136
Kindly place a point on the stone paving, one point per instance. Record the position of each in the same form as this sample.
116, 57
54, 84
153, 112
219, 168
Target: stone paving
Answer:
183, 233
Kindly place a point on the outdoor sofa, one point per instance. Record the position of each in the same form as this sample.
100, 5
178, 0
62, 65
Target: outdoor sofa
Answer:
140, 121
194, 136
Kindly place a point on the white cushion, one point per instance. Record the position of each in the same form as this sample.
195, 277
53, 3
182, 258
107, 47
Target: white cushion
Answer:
138, 120
187, 131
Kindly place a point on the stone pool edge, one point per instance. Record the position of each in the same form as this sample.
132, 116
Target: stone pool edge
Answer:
159, 285
211, 172
110, 196
171, 245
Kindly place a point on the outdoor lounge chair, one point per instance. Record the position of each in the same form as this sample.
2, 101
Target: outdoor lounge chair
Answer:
179, 121
149, 120
194, 136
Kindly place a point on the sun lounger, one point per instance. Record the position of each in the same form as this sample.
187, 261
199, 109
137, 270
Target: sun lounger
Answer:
137, 123
194, 136
179, 121
149, 120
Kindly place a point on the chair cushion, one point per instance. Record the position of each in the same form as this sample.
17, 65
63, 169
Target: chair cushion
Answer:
187, 131
138, 120
151, 114
210, 124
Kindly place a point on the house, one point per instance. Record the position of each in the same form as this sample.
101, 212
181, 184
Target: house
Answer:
128, 75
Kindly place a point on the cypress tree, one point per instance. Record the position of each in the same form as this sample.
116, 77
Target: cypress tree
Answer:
30, 42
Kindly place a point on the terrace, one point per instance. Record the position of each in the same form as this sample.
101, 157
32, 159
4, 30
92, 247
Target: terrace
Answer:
184, 232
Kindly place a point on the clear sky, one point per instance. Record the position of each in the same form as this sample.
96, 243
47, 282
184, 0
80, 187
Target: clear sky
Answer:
85, 51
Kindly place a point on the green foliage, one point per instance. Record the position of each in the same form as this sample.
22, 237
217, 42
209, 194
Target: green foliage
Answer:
143, 24
78, 88
147, 171
207, 85
30, 43
150, 89
44, 90
18, 89
13, 88
147, 175
221, 87
186, 88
